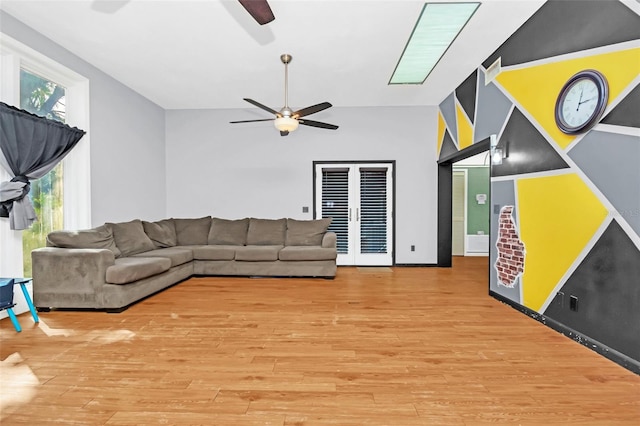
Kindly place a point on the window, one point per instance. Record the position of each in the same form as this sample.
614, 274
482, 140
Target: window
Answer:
335, 204
44, 98
61, 199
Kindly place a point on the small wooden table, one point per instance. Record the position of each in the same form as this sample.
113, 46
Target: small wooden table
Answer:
9, 306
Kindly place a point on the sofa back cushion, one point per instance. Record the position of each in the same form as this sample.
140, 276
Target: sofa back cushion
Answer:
306, 232
95, 238
162, 233
192, 232
130, 237
266, 232
228, 232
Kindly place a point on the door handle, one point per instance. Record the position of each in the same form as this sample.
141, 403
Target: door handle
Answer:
349, 214
357, 214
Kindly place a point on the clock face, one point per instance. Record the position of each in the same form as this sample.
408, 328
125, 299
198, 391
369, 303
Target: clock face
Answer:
581, 102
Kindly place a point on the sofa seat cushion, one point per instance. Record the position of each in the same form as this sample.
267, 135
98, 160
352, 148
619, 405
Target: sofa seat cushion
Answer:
258, 253
130, 269
307, 253
214, 252
177, 255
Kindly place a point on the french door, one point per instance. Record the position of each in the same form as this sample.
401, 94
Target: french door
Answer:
359, 199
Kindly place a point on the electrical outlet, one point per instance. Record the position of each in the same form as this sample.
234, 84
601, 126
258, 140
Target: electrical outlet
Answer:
413, 248
559, 300
573, 303
305, 210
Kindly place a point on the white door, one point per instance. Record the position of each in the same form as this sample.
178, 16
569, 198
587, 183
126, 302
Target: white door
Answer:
359, 199
458, 213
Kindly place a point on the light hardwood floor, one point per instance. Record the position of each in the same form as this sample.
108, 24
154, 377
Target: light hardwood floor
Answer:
378, 346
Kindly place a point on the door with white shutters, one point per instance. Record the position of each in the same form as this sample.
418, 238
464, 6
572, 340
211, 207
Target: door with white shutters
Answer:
359, 199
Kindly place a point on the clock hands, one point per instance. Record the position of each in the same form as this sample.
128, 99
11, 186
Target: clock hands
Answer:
580, 100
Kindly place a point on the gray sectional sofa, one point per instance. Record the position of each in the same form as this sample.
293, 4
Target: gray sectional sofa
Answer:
116, 264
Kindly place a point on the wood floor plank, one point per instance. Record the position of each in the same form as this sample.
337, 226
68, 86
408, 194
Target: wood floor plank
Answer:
375, 346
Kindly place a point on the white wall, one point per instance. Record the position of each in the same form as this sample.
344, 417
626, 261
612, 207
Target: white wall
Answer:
127, 137
127, 155
239, 170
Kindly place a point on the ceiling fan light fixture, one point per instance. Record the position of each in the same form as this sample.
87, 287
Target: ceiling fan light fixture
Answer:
286, 124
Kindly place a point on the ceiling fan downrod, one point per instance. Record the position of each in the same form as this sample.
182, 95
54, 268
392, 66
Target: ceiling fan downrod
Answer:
286, 59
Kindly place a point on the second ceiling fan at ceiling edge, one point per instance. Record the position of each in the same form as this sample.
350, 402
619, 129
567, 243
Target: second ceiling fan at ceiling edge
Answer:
287, 120
259, 10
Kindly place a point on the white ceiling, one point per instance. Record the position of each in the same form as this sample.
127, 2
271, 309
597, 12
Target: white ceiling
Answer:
184, 54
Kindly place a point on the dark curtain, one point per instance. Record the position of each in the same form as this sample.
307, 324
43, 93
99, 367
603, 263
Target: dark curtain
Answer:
30, 146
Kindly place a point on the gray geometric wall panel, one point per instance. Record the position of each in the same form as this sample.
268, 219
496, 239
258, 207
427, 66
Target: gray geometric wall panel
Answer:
526, 149
612, 162
627, 112
448, 147
562, 26
493, 108
466, 94
608, 289
502, 194
448, 109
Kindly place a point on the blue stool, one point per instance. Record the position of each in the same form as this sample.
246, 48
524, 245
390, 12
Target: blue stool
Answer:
6, 299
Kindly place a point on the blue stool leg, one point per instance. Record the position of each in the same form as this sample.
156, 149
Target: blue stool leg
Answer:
14, 320
32, 308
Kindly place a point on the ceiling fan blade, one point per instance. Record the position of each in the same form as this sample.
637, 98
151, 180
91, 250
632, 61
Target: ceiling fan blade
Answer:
284, 133
259, 9
318, 124
251, 121
311, 109
264, 107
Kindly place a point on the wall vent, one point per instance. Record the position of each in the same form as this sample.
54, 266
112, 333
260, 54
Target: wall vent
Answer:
493, 71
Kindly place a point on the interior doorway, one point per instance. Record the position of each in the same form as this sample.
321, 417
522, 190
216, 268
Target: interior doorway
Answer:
445, 202
470, 206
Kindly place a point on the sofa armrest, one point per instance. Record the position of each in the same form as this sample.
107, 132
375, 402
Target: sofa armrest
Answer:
329, 240
69, 271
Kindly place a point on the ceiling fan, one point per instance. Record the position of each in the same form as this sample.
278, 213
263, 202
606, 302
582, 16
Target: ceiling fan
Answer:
286, 120
259, 9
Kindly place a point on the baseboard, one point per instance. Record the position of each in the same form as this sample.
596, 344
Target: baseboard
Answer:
416, 265
596, 346
399, 265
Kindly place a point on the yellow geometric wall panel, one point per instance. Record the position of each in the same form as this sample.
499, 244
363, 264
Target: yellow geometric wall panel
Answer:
441, 128
558, 216
465, 130
536, 88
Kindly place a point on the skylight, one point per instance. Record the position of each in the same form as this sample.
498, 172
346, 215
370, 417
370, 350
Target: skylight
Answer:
438, 26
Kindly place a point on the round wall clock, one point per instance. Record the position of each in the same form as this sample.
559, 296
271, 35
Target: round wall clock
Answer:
581, 102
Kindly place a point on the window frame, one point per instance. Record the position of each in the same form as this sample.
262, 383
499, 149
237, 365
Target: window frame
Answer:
77, 176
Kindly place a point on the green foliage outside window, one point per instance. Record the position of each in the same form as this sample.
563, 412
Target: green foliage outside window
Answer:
44, 98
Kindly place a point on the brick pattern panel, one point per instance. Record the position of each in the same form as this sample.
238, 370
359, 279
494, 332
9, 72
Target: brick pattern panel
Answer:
510, 262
